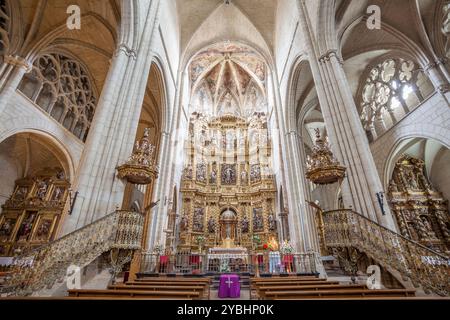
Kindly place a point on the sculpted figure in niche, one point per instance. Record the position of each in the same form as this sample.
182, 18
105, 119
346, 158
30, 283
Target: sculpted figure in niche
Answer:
428, 228
244, 177
271, 222
198, 219
21, 193
213, 177
393, 187
183, 223
211, 225
188, 172
42, 189
245, 225
411, 180
258, 224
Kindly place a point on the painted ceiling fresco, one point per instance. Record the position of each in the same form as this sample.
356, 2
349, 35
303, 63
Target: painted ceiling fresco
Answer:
228, 79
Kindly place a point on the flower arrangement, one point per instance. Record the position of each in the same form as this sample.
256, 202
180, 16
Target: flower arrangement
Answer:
286, 247
158, 248
200, 240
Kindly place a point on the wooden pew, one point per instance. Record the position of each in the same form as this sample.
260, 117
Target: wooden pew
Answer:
173, 279
170, 282
262, 291
202, 289
339, 294
287, 279
119, 294
299, 283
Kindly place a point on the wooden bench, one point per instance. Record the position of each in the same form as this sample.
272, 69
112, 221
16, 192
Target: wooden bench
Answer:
200, 288
170, 279
119, 294
287, 279
297, 283
339, 294
263, 290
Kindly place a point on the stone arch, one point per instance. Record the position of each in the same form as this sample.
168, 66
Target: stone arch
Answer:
25, 153
292, 103
395, 151
50, 131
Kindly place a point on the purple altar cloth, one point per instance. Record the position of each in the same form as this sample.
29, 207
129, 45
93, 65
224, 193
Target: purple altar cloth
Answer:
229, 286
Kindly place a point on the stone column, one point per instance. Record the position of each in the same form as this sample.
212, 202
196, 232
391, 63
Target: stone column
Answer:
112, 135
344, 128
171, 156
300, 233
439, 80
297, 158
15, 69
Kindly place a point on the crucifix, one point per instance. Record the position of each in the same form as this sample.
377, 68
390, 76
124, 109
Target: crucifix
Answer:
229, 282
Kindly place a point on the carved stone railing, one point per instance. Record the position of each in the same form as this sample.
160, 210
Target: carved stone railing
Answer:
42, 267
423, 266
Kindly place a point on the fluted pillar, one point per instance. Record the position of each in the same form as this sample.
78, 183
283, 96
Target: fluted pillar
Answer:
346, 134
13, 71
438, 78
297, 159
113, 130
298, 218
171, 161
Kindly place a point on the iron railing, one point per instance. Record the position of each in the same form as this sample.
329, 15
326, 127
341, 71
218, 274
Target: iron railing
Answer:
41, 268
423, 266
195, 263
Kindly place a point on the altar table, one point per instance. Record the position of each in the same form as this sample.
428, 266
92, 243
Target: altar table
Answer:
229, 286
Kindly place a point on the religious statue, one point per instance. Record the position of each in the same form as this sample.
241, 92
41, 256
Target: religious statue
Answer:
6, 228
411, 180
213, 177
255, 172
258, 224
393, 187
428, 228
26, 227
245, 225
241, 143
61, 175
143, 150
42, 189
21, 193
211, 225
198, 219
188, 172
271, 222
230, 140
201, 172
228, 174
244, 177
184, 223
43, 230
57, 195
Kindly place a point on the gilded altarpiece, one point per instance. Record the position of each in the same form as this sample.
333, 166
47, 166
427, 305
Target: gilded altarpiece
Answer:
228, 186
31, 215
421, 211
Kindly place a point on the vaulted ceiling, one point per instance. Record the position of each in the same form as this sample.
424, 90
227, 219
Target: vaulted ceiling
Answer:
228, 72
193, 14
